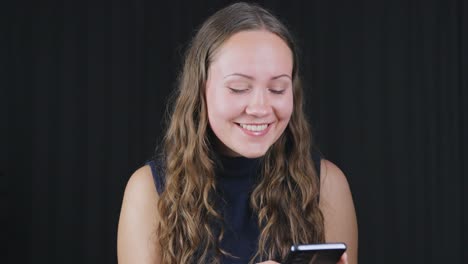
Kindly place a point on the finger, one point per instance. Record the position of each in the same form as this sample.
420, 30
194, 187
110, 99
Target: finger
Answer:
343, 259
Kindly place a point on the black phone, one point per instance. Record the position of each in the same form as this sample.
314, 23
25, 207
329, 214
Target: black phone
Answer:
328, 253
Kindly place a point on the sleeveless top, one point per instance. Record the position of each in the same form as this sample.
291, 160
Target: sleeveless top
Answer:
236, 178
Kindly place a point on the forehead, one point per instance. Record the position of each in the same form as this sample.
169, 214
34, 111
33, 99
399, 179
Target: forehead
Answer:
253, 52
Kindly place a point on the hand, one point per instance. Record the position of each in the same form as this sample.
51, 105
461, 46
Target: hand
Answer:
343, 259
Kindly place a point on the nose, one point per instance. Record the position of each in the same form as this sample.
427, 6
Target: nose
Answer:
259, 105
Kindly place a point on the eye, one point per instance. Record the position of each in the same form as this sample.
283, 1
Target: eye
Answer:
237, 90
277, 91
238, 87
279, 86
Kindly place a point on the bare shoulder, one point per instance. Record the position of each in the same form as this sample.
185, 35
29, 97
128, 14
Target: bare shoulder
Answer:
332, 179
141, 187
136, 237
336, 203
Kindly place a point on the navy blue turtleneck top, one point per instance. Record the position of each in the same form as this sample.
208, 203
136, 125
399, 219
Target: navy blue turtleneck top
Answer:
236, 179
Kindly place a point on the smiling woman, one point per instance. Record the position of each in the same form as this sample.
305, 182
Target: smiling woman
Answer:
236, 180
249, 93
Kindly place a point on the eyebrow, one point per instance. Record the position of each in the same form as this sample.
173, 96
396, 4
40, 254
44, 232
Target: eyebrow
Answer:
251, 78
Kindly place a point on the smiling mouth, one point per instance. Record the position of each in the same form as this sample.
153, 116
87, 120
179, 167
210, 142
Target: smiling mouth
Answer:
254, 128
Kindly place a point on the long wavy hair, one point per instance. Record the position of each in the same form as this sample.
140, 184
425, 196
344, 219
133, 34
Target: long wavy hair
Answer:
286, 196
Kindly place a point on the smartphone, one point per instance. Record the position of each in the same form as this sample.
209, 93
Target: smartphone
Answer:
329, 253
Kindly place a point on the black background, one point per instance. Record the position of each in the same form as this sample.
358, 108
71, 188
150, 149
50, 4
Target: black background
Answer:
83, 93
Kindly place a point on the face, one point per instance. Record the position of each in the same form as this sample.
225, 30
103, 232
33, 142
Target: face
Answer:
249, 93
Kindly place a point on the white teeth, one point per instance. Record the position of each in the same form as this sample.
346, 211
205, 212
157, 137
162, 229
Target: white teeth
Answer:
254, 128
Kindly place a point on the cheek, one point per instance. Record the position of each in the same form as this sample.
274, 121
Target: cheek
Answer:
285, 108
222, 107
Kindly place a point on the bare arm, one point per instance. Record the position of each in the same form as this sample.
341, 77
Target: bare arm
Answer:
136, 236
337, 207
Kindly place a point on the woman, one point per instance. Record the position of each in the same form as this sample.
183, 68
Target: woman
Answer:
236, 181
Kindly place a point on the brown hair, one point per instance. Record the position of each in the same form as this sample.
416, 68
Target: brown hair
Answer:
285, 199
